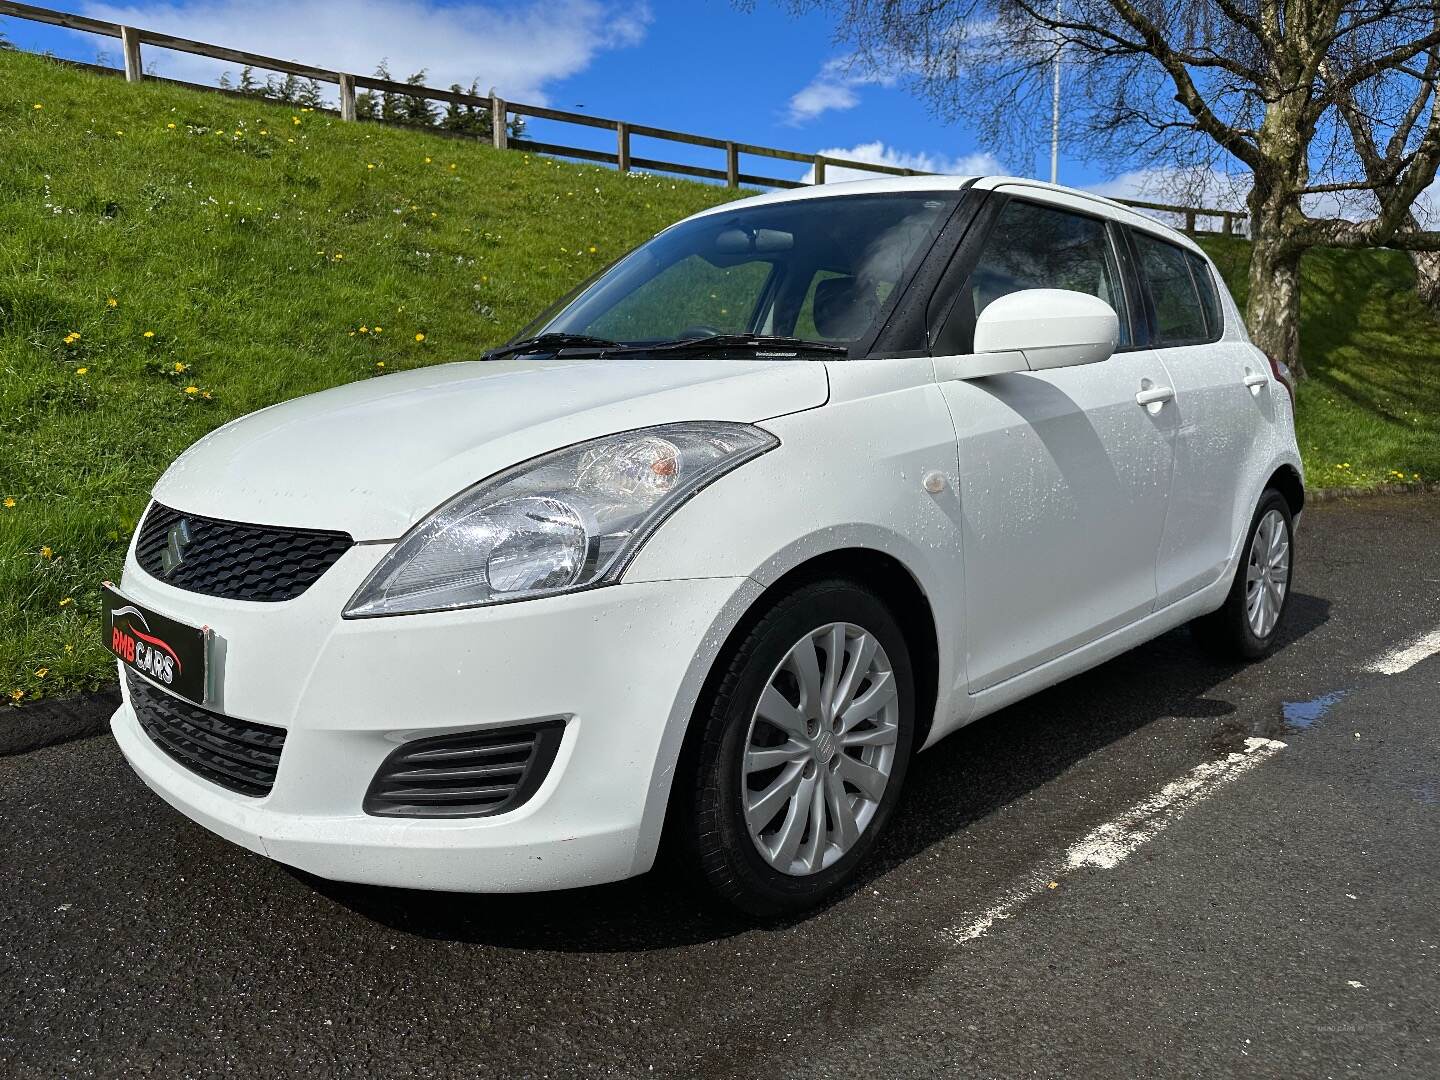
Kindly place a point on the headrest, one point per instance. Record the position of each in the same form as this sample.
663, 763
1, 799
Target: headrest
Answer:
844, 309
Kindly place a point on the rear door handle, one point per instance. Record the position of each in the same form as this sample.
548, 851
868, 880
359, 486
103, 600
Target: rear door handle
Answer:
1156, 395
1256, 379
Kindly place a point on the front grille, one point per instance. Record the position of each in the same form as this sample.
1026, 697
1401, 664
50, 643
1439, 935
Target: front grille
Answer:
236, 561
235, 754
476, 774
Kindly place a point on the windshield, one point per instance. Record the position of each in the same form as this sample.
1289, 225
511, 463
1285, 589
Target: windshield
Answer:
820, 269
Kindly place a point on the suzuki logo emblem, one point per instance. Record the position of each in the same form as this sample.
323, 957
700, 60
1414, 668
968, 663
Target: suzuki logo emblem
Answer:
177, 539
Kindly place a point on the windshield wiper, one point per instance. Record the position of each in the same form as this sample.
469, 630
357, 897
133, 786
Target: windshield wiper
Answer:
550, 343
761, 343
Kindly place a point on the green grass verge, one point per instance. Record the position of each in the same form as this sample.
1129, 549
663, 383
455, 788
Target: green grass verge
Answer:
170, 259
1369, 412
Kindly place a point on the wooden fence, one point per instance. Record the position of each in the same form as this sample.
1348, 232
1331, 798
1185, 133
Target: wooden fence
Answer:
131, 39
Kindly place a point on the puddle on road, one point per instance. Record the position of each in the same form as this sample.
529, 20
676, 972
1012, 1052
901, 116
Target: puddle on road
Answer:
1303, 714
1292, 717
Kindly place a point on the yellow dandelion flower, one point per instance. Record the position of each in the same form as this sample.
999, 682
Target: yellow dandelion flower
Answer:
378, 329
433, 214
81, 370
264, 132
192, 389
452, 165
427, 160
9, 502
119, 133
148, 334
67, 601
181, 367
45, 552
205, 394
41, 672
338, 256
37, 105
593, 249
295, 120
112, 302
364, 329
379, 363
169, 127
16, 695
290, 140
419, 337
370, 166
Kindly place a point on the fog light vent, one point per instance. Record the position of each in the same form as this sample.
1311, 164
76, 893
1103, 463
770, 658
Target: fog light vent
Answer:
467, 774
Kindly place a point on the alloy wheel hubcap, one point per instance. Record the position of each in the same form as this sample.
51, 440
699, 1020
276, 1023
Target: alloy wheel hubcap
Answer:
820, 749
1267, 574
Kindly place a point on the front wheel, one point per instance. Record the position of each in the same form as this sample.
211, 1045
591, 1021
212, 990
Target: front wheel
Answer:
802, 747
1247, 625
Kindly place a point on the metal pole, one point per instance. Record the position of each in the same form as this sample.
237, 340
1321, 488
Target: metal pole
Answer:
1055, 107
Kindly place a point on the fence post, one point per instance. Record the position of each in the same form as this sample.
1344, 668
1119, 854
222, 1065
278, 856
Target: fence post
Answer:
1189, 222
498, 130
732, 165
819, 169
622, 145
347, 97
130, 46
1227, 224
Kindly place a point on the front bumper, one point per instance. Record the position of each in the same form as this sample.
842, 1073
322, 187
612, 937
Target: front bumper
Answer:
621, 665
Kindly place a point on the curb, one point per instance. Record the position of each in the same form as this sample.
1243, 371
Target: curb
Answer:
1424, 487
45, 723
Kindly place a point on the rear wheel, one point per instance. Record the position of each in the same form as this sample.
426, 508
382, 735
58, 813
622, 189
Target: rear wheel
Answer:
801, 750
1247, 625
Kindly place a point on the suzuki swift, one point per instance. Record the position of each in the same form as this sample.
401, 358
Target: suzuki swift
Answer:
790, 492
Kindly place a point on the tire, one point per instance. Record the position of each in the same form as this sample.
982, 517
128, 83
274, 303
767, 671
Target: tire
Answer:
1229, 633
718, 778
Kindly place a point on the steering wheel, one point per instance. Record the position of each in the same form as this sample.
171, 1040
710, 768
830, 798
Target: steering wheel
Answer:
700, 331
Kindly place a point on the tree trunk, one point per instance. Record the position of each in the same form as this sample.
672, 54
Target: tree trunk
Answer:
1273, 310
1427, 278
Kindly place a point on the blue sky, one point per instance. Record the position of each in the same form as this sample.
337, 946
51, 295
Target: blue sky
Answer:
703, 66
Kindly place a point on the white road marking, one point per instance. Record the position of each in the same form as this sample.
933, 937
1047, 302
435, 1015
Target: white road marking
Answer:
1407, 656
1107, 845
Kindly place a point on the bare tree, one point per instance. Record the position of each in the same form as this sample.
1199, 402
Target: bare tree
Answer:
1326, 108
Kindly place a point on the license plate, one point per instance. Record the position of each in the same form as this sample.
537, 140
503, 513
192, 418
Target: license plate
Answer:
168, 653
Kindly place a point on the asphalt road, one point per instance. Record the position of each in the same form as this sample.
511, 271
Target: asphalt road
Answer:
1287, 923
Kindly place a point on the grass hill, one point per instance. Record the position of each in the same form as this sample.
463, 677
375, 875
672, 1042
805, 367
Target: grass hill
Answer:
170, 259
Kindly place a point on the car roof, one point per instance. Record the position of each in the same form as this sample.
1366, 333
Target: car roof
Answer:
1039, 189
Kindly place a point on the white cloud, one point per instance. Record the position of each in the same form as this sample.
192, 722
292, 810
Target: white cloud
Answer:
833, 88
877, 153
519, 48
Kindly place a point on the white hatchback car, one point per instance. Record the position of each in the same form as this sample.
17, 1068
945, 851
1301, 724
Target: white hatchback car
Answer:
790, 492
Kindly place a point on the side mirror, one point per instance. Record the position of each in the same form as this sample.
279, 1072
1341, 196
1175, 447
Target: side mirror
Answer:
1052, 328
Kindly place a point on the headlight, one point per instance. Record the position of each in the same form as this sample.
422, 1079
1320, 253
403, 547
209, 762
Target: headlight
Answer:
569, 520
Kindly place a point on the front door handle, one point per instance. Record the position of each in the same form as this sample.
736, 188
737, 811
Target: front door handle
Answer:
1256, 379
1155, 395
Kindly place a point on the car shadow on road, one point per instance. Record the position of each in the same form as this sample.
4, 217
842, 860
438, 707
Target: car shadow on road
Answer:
964, 778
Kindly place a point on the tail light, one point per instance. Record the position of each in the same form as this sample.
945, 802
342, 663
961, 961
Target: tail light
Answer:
1281, 371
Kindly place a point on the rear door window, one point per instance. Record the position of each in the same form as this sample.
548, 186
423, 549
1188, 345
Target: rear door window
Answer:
1179, 313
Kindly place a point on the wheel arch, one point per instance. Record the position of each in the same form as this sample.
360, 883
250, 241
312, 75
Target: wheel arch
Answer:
1286, 480
892, 580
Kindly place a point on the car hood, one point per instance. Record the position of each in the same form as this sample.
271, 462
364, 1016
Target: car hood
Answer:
374, 457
